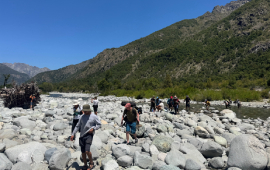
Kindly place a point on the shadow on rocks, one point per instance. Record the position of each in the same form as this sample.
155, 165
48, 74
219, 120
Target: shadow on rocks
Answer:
73, 166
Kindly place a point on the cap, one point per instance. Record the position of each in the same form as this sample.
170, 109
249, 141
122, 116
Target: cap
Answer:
86, 108
171, 97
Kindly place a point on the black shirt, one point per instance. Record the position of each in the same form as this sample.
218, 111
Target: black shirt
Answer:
187, 100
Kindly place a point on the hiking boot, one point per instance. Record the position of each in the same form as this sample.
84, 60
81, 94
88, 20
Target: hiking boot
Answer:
136, 140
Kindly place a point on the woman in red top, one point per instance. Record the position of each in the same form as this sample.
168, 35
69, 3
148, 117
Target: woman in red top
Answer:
176, 104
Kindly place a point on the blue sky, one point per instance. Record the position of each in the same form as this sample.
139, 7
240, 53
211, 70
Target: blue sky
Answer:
57, 33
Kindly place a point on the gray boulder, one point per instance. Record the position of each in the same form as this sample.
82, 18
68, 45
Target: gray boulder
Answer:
125, 161
192, 165
120, 150
158, 164
146, 147
169, 167
140, 131
142, 161
202, 132
169, 117
59, 159
229, 137
50, 113
161, 128
211, 149
24, 122
217, 163
40, 166
246, 126
21, 166
7, 133
59, 126
248, 153
2, 147
103, 136
27, 153
176, 158
5, 163
49, 153
110, 165
162, 143
189, 151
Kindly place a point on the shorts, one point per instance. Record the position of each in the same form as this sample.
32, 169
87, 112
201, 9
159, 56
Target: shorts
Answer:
86, 142
187, 105
170, 105
95, 108
31, 103
131, 127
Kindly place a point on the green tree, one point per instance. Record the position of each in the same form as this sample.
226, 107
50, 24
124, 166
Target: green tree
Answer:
6, 78
168, 81
46, 87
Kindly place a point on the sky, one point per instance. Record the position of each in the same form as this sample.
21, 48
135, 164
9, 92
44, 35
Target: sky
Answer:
58, 33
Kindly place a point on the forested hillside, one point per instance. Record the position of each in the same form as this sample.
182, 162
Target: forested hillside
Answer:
154, 43
230, 53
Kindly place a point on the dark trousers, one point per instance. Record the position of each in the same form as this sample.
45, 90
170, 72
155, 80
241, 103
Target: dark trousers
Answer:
152, 107
74, 123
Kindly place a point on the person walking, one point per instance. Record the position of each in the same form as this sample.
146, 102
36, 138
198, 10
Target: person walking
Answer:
157, 102
207, 104
153, 106
88, 123
170, 103
132, 117
187, 100
176, 103
33, 99
77, 112
238, 103
95, 104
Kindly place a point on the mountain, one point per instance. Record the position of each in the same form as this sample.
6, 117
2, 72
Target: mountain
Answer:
14, 75
31, 71
137, 50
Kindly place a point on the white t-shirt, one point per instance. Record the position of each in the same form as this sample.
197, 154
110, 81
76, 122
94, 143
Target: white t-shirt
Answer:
95, 102
162, 106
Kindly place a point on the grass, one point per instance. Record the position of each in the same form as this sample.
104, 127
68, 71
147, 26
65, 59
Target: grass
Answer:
243, 94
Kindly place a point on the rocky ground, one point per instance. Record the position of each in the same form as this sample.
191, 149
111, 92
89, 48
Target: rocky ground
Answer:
211, 139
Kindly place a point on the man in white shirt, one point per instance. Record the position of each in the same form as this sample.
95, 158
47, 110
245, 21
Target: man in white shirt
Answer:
95, 104
77, 112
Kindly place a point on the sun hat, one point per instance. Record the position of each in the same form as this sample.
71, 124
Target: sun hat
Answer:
128, 105
75, 102
86, 108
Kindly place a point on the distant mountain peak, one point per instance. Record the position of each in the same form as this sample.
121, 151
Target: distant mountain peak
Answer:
229, 7
27, 69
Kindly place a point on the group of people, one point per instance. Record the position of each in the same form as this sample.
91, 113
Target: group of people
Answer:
173, 104
87, 123
229, 102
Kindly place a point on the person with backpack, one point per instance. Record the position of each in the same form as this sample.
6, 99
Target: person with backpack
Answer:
153, 106
187, 100
170, 103
77, 112
207, 103
88, 123
176, 103
131, 117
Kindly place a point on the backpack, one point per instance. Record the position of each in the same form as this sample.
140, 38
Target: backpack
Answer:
139, 109
133, 104
125, 113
